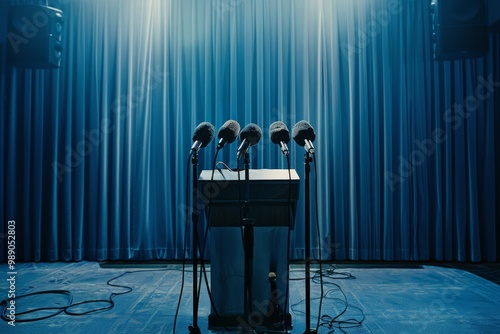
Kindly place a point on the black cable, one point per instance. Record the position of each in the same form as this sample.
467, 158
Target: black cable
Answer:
185, 245
240, 201
202, 251
203, 247
319, 240
244, 207
225, 166
327, 321
59, 309
66, 309
109, 301
320, 274
335, 321
205, 237
289, 209
331, 273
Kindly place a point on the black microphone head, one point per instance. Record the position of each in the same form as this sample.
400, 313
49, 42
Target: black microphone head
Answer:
279, 133
252, 133
229, 131
302, 131
204, 133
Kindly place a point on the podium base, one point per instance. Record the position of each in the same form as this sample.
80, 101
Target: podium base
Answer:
233, 322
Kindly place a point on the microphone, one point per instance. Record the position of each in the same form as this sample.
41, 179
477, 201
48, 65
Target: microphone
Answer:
250, 135
272, 281
275, 307
280, 135
228, 132
303, 134
202, 136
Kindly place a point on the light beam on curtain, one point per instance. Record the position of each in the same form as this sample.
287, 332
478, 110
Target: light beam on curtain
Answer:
94, 154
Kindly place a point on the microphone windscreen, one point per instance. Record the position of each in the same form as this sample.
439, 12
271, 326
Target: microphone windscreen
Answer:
252, 133
302, 131
279, 133
229, 131
204, 132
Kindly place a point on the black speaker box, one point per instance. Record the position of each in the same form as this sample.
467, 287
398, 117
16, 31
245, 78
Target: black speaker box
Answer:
460, 29
494, 15
34, 36
3, 21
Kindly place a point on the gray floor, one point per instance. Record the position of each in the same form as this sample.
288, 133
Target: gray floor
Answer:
385, 299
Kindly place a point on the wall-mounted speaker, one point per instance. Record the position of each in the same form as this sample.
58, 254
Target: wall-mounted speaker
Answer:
3, 20
494, 15
34, 36
460, 29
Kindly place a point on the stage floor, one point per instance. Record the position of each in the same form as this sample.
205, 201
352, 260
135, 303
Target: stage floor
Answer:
390, 298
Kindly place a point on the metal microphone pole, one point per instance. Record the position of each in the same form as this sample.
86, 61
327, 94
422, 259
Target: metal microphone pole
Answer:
307, 200
248, 237
193, 328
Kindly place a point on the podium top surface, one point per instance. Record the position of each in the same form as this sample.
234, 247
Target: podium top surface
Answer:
254, 175
265, 185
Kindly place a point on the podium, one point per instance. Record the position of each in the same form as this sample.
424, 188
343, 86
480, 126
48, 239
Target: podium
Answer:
272, 199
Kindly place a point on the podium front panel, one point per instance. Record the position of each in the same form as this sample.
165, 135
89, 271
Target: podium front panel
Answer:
227, 273
270, 191
265, 214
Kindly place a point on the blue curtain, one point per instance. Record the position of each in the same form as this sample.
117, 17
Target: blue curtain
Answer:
94, 154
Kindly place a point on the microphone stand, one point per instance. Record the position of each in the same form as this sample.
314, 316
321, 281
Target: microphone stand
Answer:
248, 237
193, 328
307, 200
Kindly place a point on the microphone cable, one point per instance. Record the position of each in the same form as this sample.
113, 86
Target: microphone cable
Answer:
67, 308
205, 237
319, 241
198, 246
242, 205
203, 135
289, 212
326, 320
185, 243
332, 322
